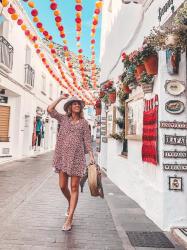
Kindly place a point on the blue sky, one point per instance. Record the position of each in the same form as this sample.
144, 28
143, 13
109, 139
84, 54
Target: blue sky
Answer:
67, 8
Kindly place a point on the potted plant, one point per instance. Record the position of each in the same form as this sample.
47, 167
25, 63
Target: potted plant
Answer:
105, 98
147, 82
112, 95
122, 95
150, 59
181, 17
136, 58
98, 107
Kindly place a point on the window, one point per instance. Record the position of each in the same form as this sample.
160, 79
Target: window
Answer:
43, 85
28, 55
4, 123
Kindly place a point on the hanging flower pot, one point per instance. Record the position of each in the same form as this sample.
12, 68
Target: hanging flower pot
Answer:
126, 89
112, 97
151, 64
172, 61
140, 69
102, 94
98, 111
171, 40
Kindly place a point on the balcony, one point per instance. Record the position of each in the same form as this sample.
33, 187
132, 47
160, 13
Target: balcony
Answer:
6, 55
29, 76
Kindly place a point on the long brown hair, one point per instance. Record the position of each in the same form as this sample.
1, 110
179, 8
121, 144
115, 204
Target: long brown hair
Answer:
69, 111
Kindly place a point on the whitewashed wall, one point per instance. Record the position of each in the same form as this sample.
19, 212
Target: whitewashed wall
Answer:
145, 183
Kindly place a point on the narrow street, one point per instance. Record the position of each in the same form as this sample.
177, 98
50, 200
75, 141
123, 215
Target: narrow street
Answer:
32, 212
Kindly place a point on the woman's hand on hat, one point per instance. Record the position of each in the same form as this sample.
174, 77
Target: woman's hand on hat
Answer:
64, 96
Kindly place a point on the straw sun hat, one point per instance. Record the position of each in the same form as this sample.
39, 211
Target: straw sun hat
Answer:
71, 100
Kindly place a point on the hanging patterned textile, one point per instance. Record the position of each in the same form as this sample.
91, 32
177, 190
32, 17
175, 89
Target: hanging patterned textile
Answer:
150, 131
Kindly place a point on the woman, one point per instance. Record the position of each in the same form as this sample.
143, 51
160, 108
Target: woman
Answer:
73, 142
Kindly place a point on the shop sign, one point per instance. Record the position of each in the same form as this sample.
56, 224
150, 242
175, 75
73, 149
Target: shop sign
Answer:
175, 183
175, 167
174, 107
3, 99
174, 87
174, 124
164, 9
175, 154
175, 140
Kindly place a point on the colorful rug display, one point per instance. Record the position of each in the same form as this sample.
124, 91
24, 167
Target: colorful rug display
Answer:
150, 131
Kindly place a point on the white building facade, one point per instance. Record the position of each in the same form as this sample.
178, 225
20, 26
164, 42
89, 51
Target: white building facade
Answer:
26, 89
124, 27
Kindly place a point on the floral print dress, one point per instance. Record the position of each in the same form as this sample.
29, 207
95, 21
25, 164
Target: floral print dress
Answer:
73, 142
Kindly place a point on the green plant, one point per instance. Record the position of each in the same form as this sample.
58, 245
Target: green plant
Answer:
145, 78
181, 17
136, 57
148, 50
105, 98
122, 95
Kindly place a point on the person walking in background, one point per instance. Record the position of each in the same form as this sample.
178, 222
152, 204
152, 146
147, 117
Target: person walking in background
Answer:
73, 142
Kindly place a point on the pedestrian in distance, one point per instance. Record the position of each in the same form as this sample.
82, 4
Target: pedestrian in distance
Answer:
73, 142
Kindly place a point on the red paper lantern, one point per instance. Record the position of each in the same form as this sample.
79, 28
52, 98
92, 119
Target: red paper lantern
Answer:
27, 32
65, 48
39, 25
78, 20
20, 22
78, 38
62, 35
95, 22
60, 28
45, 33
11, 10
93, 41
80, 61
78, 29
34, 38
97, 11
53, 6
34, 12
50, 38
58, 19
78, 7
38, 51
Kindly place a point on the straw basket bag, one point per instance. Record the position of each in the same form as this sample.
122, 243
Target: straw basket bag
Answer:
94, 180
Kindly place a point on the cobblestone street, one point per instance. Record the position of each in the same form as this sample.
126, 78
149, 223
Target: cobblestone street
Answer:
32, 212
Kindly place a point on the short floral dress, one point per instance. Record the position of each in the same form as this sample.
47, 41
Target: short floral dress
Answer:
73, 142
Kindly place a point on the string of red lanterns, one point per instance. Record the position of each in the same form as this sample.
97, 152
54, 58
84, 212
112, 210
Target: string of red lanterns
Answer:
39, 25
97, 11
33, 39
78, 21
54, 8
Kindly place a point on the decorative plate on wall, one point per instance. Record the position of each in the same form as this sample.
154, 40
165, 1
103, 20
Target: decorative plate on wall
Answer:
174, 107
174, 87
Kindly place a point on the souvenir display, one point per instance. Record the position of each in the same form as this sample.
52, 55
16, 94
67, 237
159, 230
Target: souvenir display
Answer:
150, 131
174, 124
175, 140
174, 107
175, 154
174, 87
175, 167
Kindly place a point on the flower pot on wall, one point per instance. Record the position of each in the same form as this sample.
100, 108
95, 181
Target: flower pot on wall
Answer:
112, 97
151, 64
126, 89
98, 111
140, 69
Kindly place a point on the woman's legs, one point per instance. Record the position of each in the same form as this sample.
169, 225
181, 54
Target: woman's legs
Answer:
75, 180
63, 183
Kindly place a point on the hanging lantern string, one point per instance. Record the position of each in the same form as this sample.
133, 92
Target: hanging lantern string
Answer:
78, 21
97, 11
33, 39
39, 25
58, 19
